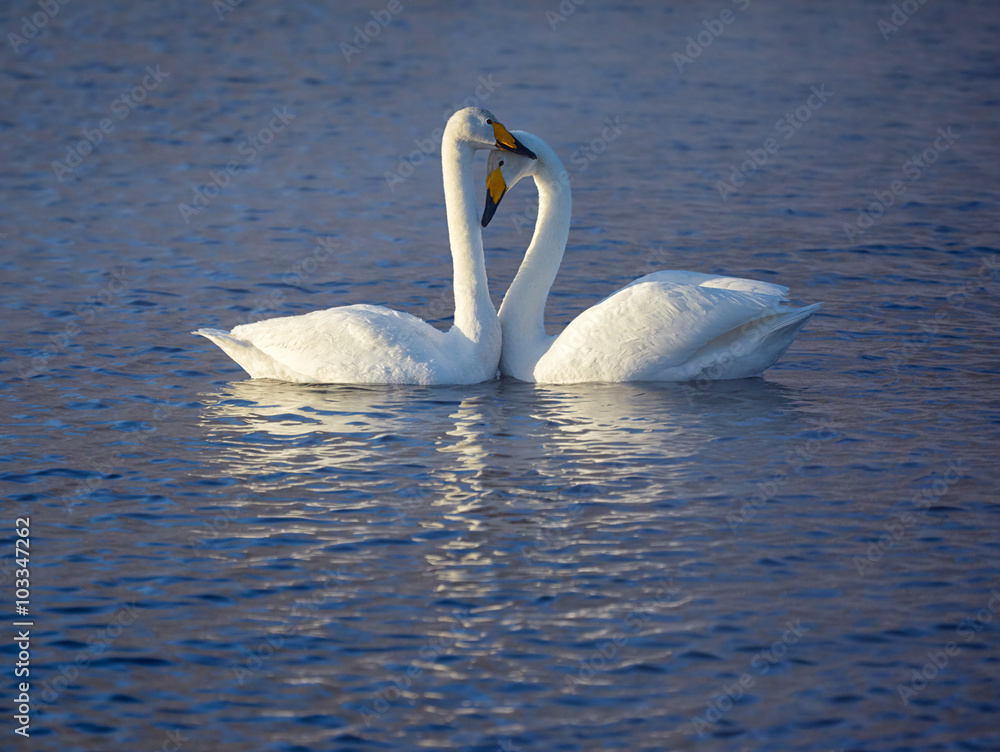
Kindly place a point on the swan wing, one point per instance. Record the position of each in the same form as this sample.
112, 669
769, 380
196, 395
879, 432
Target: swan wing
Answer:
359, 344
660, 330
701, 279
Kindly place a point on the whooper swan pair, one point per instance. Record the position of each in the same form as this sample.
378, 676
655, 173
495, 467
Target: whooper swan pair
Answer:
666, 326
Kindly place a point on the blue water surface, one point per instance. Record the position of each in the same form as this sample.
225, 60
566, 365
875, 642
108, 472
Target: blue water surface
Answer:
804, 561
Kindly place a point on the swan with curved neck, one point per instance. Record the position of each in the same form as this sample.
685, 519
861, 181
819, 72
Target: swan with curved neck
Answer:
365, 344
665, 326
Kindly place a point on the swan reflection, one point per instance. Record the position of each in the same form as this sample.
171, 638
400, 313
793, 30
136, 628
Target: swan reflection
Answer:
459, 445
526, 470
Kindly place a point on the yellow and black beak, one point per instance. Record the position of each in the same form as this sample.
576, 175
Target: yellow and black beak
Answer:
496, 187
507, 142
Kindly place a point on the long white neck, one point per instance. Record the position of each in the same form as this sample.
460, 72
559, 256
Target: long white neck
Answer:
475, 315
522, 314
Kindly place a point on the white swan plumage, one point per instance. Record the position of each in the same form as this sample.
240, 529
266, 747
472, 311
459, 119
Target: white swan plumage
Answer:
665, 326
366, 344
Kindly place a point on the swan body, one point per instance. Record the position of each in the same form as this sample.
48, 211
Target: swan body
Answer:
665, 326
357, 344
365, 344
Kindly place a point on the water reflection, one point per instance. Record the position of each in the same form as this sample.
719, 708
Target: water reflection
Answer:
464, 503
456, 445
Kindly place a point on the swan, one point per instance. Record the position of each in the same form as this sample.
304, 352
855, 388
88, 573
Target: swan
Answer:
665, 326
366, 344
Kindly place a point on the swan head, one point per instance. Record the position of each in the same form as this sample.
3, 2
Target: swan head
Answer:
503, 170
482, 129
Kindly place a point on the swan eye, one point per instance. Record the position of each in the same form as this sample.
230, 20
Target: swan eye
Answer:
500, 164
489, 122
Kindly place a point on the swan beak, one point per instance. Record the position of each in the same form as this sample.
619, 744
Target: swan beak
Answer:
507, 142
496, 187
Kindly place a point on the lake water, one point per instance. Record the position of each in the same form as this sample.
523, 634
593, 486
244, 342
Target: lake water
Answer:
805, 561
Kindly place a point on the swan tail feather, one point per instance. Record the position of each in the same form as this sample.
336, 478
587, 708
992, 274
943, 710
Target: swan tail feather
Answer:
748, 350
254, 361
